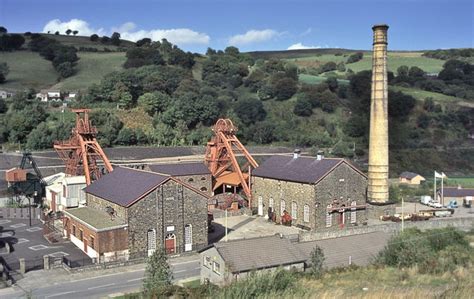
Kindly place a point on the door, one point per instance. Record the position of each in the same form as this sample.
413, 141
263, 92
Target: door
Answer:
188, 237
260, 206
53, 201
341, 219
170, 244
85, 245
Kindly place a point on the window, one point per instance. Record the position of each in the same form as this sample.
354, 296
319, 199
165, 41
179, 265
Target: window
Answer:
203, 178
74, 230
81, 235
282, 206
188, 237
271, 203
190, 180
306, 213
329, 216
151, 241
294, 210
207, 262
204, 189
64, 191
216, 268
353, 212
92, 243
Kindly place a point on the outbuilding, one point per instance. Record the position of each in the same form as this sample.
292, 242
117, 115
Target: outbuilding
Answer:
411, 178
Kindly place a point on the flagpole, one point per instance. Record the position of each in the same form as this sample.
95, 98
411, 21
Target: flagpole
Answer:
442, 193
434, 192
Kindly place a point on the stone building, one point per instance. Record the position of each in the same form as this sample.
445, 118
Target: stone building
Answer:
131, 213
316, 192
195, 174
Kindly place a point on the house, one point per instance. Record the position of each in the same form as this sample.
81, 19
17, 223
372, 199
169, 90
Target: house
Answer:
71, 96
225, 262
130, 213
411, 178
4, 94
63, 192
195, 174
456, 193
46, 95
312, 193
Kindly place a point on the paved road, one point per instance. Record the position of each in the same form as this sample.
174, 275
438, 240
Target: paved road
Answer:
103, 285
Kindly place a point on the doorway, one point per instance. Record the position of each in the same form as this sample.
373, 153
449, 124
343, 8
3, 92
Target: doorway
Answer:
170, 243
260, 206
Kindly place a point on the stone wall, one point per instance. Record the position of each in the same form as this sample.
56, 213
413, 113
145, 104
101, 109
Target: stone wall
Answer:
345, 185
167, 210
391, 227
100, 204
202, 182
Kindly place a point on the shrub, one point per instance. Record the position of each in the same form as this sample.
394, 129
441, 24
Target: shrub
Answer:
355, 57
317, 260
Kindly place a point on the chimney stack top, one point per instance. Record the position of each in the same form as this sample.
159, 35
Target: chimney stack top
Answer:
320, 155
381, 26
296, 153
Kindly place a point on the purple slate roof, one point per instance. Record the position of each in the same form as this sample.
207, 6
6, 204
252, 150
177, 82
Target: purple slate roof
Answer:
456, 192
301, 169
124, 186
179, 169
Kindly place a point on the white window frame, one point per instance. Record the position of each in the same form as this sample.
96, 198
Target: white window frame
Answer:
188, 237
216, 267
329, 216
151, 241
306, 213
353, 212
282, 206
271, 203
294, 210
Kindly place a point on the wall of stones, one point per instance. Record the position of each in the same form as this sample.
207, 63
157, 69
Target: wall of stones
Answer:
100, 204
167, 209
345, 185
202, 182
302, 194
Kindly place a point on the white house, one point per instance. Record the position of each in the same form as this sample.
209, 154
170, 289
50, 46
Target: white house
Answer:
46, 95
63, 192
6, 94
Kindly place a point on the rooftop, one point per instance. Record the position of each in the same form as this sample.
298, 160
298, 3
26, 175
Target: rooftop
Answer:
180, 169
408, 175
124, 186
78, 179
301, 169
457, 192
97, 220
252, 254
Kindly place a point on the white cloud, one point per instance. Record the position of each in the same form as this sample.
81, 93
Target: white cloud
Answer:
178, 36
253, 36
81, 26
306, 32
300, 46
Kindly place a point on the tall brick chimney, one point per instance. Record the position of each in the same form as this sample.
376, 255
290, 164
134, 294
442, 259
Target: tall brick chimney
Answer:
378, 143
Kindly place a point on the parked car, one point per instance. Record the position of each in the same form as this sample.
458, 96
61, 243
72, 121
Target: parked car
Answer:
425, 199
452, 204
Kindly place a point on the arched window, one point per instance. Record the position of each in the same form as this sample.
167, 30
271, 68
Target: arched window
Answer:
203, 178
294, 210
190, 180
329, 216
306, 213
282, 206
188, 237
151, 240
353, 212
204, 189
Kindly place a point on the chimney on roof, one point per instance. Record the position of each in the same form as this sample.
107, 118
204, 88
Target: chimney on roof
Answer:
296, 153
320, 155
459, 186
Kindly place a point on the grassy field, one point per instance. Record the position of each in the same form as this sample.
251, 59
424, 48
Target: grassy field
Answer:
311, 79
27, 69
395, 60
465, 182
91, 68
423, 94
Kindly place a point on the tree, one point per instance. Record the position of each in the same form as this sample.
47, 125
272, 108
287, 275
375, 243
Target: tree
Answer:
332, 83
355, 57
94, 37
429, 104
143, 41
4, 70
284, 88
56, 33
68, 32
65, 69
402, 71
341, 67
105, 39
303, 107
154, 102
115, 39
158, 274
75, 32
3, 29
250, 110
317, 260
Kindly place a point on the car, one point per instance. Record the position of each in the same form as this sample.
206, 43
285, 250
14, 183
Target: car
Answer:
452, 204
436, 205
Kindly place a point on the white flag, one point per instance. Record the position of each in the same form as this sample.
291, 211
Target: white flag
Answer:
438, 175
444, 175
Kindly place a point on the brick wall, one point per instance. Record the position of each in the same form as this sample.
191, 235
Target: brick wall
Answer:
100, 204
87, 232
167, 210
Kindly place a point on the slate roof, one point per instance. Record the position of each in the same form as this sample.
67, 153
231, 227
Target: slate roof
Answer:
180, 169
259, 253
124, 186
456, 192
408, 175
301, 169
97, 220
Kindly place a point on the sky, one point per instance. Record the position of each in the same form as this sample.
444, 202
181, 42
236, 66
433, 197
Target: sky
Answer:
253, 25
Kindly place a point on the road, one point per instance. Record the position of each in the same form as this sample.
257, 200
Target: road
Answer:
103, 285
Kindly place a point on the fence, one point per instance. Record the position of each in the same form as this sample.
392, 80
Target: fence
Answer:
20, 213
465, 222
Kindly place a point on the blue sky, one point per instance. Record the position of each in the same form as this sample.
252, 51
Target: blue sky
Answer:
254, 25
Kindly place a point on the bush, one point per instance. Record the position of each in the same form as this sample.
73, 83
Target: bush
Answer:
303, 107
317, 260
355, 57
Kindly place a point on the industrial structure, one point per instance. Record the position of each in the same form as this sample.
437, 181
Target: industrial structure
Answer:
378, 185
221, 159
82, 153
